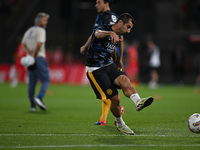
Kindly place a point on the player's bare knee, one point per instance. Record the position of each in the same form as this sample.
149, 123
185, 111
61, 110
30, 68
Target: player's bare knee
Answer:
124, 81
115, 99
120, 80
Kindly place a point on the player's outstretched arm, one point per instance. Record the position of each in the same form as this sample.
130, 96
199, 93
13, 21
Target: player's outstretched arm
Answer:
103, 34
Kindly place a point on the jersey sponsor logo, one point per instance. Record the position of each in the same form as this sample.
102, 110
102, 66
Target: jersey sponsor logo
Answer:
110, 47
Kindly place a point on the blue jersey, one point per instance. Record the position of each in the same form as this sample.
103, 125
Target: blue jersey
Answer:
108, 18
100, 50
105, 18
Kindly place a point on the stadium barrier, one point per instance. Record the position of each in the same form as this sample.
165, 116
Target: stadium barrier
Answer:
69, 74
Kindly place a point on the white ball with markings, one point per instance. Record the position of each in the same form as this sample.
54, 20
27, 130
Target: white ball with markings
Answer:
194, 123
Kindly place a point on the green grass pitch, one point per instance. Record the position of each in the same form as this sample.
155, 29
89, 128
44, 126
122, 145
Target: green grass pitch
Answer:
72, 111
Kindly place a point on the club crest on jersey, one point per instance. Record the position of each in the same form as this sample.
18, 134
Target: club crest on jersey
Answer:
109, 91
114, 19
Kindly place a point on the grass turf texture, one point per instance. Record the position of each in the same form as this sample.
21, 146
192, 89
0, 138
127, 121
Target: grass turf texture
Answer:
72, 111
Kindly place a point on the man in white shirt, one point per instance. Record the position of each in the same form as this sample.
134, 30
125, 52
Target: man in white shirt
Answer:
154, 63
33, 43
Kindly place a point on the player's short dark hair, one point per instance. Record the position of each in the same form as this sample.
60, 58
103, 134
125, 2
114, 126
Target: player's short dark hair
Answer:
108, 1
125, 17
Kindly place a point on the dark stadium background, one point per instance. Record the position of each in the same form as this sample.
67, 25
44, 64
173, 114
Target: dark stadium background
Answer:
170, 23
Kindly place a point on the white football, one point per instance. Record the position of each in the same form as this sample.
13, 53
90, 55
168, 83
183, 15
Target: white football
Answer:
194, 123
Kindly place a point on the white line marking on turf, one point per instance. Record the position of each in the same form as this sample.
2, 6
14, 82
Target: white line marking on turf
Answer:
156, 135
102, 145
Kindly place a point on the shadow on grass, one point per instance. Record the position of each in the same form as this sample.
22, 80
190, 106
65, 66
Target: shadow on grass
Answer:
38, 112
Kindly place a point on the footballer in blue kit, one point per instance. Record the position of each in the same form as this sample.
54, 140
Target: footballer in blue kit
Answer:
106, 17
109, 18
100, 50
104, 75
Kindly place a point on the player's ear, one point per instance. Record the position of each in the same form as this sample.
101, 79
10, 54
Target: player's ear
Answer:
120, 22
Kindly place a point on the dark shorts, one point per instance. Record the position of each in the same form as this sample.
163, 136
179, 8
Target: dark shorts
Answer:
102, 81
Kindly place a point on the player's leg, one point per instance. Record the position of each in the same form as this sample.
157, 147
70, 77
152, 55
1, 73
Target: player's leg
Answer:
120, 79
31, 88
116, 111
154, 78
115, 106
14, 76
105, 109
43, 75
129, 91
104, 89
122, 112
96, 78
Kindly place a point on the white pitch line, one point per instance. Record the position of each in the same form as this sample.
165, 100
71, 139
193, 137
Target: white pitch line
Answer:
102, 145
58, 135
156, 135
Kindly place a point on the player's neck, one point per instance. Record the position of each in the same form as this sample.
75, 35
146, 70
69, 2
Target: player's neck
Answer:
106, 9
114, 28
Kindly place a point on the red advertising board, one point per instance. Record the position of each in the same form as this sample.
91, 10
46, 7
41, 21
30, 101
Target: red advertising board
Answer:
70, 74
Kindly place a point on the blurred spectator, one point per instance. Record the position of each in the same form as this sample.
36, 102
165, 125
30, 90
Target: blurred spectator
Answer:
178, 64
18, 71
58, 57
33, 42
69, 59
132, 68
154, 63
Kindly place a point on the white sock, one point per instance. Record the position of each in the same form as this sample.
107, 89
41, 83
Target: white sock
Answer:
135, 97
120, 121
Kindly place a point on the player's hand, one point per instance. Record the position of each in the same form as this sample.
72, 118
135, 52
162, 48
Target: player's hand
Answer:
114, 37
32, 53
82, 49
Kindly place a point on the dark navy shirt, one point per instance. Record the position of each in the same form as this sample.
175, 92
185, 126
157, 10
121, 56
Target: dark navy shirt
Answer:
105, 18
100, 50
